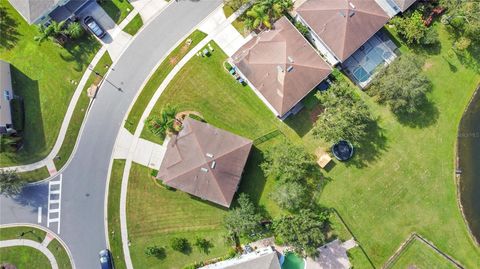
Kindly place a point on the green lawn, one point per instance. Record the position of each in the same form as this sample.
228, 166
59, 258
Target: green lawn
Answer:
79, 113
116, 9
24, 257
391, 188
203, 85
60, 254
134, 25
114, 232
156, 215
28, 233
404, 181
35, 175
157, 78
418, 255
42, 75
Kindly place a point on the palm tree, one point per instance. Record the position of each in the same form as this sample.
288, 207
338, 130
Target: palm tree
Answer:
74, 30
259, 17
165, 124
8, 143
44, 33
57, 27
276, 8
10, 183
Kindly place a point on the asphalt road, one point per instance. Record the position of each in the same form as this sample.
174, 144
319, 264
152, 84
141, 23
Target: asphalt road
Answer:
84, 179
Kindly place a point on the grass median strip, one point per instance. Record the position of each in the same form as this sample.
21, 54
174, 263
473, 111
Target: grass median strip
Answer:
114, 232
157, 78
134, 25
79, 113
60, 254
35, 175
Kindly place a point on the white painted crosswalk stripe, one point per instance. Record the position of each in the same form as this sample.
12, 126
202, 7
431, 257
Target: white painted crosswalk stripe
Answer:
54, 202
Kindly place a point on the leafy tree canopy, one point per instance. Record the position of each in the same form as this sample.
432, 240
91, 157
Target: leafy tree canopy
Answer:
264, 12
345, 115
463, 20
411, 27
290, 196
287, 162
303, 231
402, 86
243, 219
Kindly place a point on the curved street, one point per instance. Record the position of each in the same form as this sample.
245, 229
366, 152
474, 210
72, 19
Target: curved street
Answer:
80, 190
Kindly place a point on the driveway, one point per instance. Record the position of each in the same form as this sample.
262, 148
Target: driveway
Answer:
84, 179
224, 34
115, 40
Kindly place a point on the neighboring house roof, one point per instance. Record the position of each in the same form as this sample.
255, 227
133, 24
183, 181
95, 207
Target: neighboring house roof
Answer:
32, 10
343, 25
265, 258
6, 95
205, 161
404, 4
281, 65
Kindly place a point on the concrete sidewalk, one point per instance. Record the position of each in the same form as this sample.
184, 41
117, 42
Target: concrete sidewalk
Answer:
32, 244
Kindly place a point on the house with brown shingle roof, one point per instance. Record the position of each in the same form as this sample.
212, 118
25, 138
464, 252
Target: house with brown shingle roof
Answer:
340, 27
205, 161
281, 66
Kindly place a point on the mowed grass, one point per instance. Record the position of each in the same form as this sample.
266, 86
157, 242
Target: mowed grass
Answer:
16, 232
60, 254
117, 9
134, 25
80, 111
42, 75
404, 182
418, 255
157, 78
203, 85
35, 175
156, 215
24, 257
114, 234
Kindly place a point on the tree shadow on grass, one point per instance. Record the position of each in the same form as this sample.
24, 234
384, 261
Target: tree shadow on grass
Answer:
8, 30
79, 51
427, 116
112, 10
27, 90
370, 148
254, 180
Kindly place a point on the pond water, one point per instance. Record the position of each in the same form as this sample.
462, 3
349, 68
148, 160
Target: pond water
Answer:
469, 164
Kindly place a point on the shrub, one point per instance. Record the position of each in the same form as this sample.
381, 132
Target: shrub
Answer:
180, 244
155, 251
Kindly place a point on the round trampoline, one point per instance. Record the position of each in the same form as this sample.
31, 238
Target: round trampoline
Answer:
342, 150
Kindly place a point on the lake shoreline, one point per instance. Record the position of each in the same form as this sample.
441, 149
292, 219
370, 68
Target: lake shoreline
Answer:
459, 178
